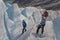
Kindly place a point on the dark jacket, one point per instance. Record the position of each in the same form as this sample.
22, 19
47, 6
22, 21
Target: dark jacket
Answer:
24, 24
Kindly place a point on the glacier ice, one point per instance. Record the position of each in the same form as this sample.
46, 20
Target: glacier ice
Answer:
3, 9
14, 16
57, 27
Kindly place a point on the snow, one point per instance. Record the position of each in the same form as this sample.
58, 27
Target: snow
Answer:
53, 15
11, 23
3, 9
49, 34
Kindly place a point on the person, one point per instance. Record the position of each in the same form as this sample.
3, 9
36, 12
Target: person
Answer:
24, 26
42, 23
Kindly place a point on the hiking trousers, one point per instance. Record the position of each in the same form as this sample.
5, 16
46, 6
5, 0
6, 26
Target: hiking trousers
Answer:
23, 30
42, 29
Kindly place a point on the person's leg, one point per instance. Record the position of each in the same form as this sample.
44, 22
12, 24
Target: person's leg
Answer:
38, 29
23, 30
42, 29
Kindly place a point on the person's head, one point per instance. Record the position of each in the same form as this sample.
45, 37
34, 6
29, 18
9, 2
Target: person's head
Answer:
45, 14
23, 20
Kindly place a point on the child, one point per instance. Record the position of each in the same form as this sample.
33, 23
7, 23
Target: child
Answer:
42, 23
24, 26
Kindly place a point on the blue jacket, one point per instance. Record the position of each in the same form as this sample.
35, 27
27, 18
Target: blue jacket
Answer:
43, 20
24, 24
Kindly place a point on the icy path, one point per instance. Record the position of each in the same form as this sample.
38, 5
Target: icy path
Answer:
48, 34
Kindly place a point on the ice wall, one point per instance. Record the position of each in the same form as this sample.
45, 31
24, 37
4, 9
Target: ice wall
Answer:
3, 9
57, 27
10, 10
14, 18
53, 15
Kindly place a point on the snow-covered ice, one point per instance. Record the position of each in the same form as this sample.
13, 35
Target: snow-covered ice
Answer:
48, 33
11, 17
3, 9
57, 27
